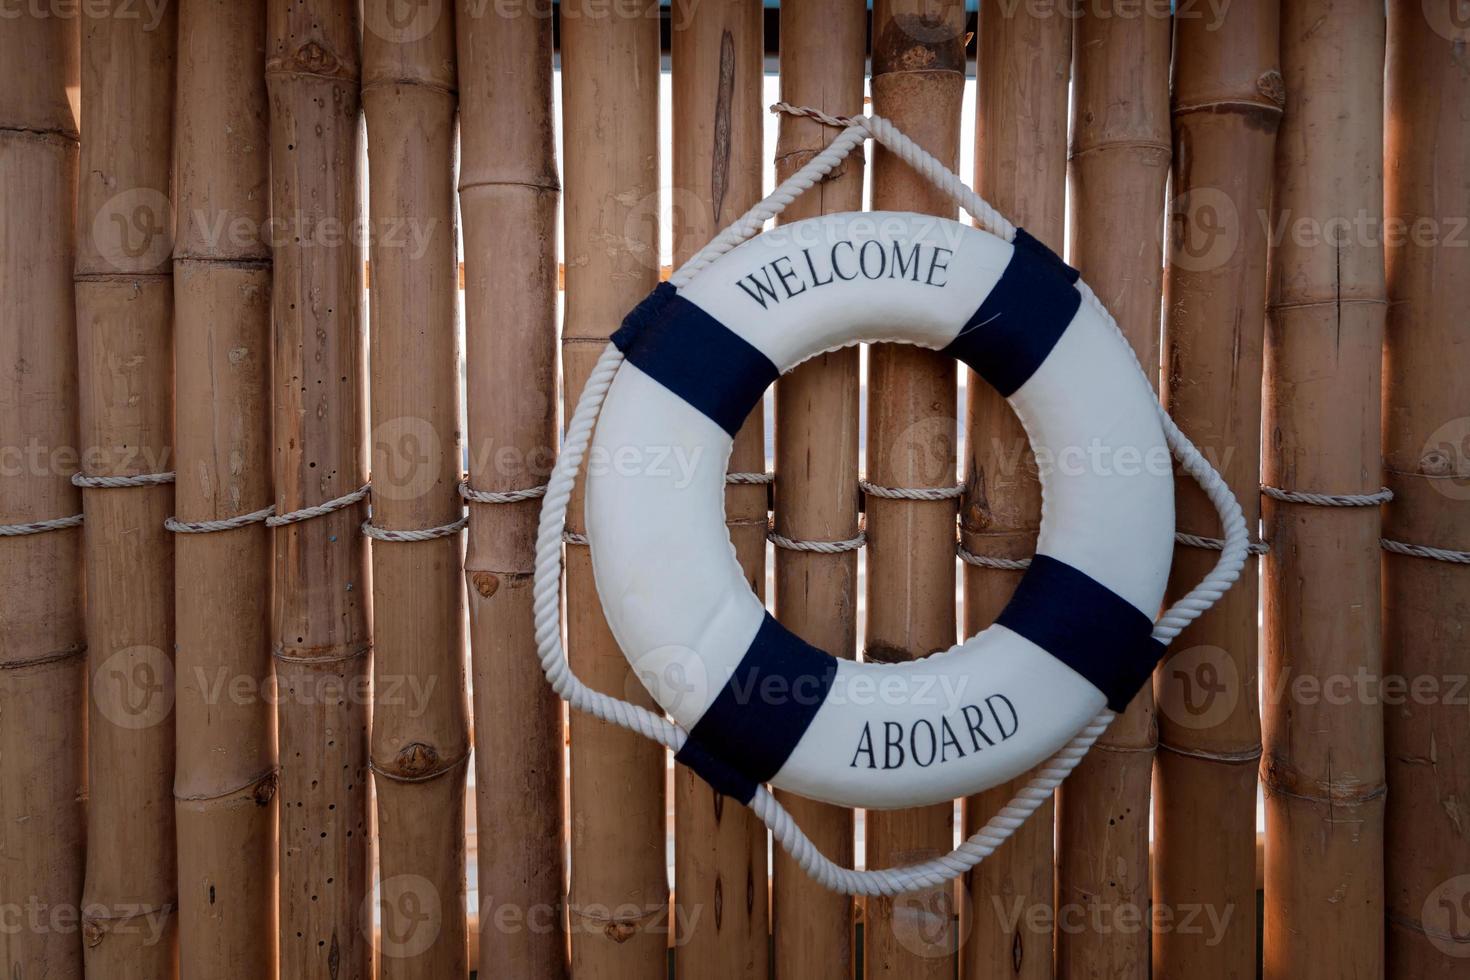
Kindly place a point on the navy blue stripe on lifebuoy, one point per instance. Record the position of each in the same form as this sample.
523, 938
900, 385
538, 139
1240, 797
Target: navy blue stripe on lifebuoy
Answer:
696, 357
1022, 319
756, 721
1086, 626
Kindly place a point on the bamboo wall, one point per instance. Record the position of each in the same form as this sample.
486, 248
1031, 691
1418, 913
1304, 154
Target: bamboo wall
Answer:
259, 256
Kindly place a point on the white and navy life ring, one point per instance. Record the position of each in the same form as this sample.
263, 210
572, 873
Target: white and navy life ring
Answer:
759, 704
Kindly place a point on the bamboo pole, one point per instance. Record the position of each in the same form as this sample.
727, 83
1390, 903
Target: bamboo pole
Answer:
225, 781
420, 735
42, 738
1323, 764
717, 53
124, 301
1024, 63
619, 900
1119, 166
816, 494
322, 587
1227, 106
918, 57
509, 192
1426, 603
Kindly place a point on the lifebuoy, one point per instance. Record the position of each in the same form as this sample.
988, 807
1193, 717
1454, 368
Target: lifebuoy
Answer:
759, 704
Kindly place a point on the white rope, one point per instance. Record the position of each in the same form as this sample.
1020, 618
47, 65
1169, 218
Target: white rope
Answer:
1383, 496
547, 591
572, 537
817, 547
427, 534
1180, 537
227, 524
912, 493
307, 513
989, 561
503, 497
39, 527
119, 482
1425, 551
1216, 544
751, 479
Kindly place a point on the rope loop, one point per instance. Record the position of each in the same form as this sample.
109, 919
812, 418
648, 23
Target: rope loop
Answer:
552, 532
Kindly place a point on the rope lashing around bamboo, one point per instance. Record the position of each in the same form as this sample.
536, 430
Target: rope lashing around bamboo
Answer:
530, 493
552, 533
912, 493
500, 497
426, 534
226, 524
121, 482
319, 510
1382, 496
40, 527
816, 547
1257, 548
1425, 551
1180, 537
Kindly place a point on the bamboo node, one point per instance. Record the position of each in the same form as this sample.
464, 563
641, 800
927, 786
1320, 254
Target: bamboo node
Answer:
54, 657
280, 654
416, 763
39, 527
1382, 496
1271, 85
1252, 754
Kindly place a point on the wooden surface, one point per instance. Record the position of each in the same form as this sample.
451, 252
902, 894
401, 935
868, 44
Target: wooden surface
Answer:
225, 777
420, 731
124, 303
816, 472
1323, 765
1025, 61
1426, 451
618, 907
721, 916
42, 646
918, 80
509, 192
1119, 165
1227, 106
322, 584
